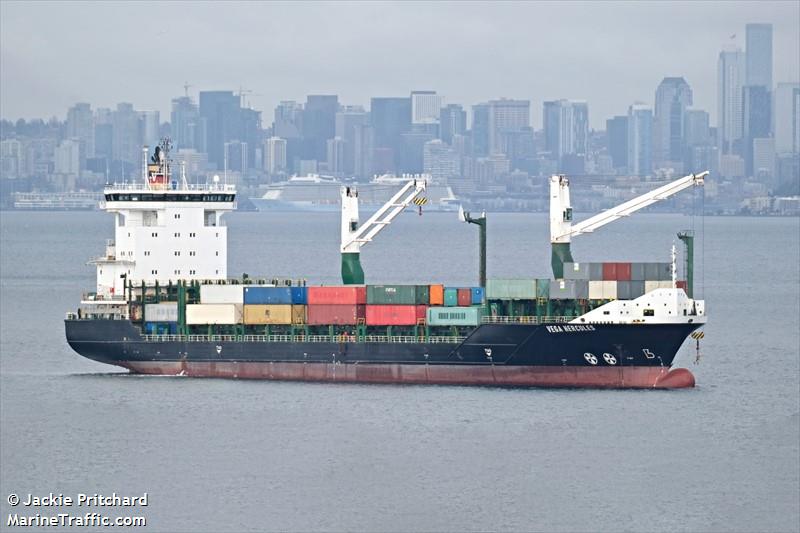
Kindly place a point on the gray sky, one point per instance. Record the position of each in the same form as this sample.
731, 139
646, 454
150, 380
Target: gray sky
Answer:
610, 54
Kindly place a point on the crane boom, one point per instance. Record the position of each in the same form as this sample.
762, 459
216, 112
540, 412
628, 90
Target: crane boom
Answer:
354, 236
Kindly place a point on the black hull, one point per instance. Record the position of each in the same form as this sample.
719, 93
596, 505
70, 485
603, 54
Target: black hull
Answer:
601, 355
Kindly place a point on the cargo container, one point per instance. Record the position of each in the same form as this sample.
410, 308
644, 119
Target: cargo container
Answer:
658, 272
596, 271
394, 294
337, 314
395, 315
299, 295
651, 285
511, 289
569, 289
450, 296
609, 290
464, 297
163, 312
336, 295
221, 294
298, 314
161, 328
596, 290
477, 295
436, 294
267, 314
197, 314
637, 288
454, 316
268, 295
639, 271
681, 284
623, 271
543, 288
422, 294
609, 271
576, 271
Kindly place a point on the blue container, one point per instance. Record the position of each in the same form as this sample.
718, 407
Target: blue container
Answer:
477, 295
267, 295
299, 295
450, 296
161, 328
149, 327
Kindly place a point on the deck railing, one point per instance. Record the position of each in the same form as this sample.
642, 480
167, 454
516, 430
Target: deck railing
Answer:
526, 319
304, 338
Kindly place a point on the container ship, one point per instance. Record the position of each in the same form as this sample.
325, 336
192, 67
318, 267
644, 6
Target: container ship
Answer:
164, 304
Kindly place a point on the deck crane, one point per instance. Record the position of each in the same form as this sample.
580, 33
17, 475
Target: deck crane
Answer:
354, 236
562, 229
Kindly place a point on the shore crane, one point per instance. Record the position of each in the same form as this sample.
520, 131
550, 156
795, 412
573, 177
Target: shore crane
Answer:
355, 236
562, 229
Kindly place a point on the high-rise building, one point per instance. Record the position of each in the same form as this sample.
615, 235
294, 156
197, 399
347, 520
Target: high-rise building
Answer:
288, 120
126, 135
274, 155
640, 139
67, 157
787, 118
506, 115
673, 96
347, 120
452, 121
150, 128
319, 124
391, 118
440, 161
364, 146
237, 154
764, 159
566, 128
250, 121
219, 112
335, 156
80, 126
185, 123
425, 107
759, 55
480, 130
617, 138
730, 79
756, 110
696, 127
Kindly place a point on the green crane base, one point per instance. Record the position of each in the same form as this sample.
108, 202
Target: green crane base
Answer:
561, 254
352, 273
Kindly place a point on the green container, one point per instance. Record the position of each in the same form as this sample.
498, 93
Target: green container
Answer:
391, 294
450, 296
543, 288
511, 289
422, 295
454, 316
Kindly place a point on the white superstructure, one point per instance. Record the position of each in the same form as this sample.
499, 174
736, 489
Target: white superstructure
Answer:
165, 230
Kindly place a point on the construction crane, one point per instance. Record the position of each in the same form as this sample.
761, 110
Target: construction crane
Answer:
355, 236
562, 229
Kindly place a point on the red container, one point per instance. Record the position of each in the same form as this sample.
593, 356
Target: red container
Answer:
338, 314
395, 315
681, 284
623, 271
464, 297
609, 271
337, 295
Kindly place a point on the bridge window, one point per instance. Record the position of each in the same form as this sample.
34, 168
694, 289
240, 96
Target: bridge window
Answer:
648, 312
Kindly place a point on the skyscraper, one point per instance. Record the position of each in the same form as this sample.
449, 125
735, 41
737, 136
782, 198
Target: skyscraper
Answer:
425, 107
391, 118
274, 155
673, 96
640, 139
730, 78
288, 120
480, 130
347, 120
319, 124
335, 156
756, 108
126, 145
506, 115
220, 112
150, 128
440, 161
617, 135
566, 128
185, 123
787, 118
759, 55
452, 121
80, 126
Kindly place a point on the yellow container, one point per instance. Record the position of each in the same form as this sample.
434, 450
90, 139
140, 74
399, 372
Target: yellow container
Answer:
267, 314
298, 314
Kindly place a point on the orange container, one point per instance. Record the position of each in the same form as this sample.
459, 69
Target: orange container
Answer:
436, 294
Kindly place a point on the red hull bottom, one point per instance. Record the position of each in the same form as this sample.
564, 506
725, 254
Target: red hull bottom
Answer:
636, 377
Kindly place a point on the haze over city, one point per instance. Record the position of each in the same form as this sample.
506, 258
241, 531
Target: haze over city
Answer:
54, 54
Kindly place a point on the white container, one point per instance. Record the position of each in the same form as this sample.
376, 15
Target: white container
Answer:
650, 286
665, 284
221, 294
596, 290
197, 314
609, 290
163, 312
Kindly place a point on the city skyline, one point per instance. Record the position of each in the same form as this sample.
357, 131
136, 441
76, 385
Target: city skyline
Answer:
515, 70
